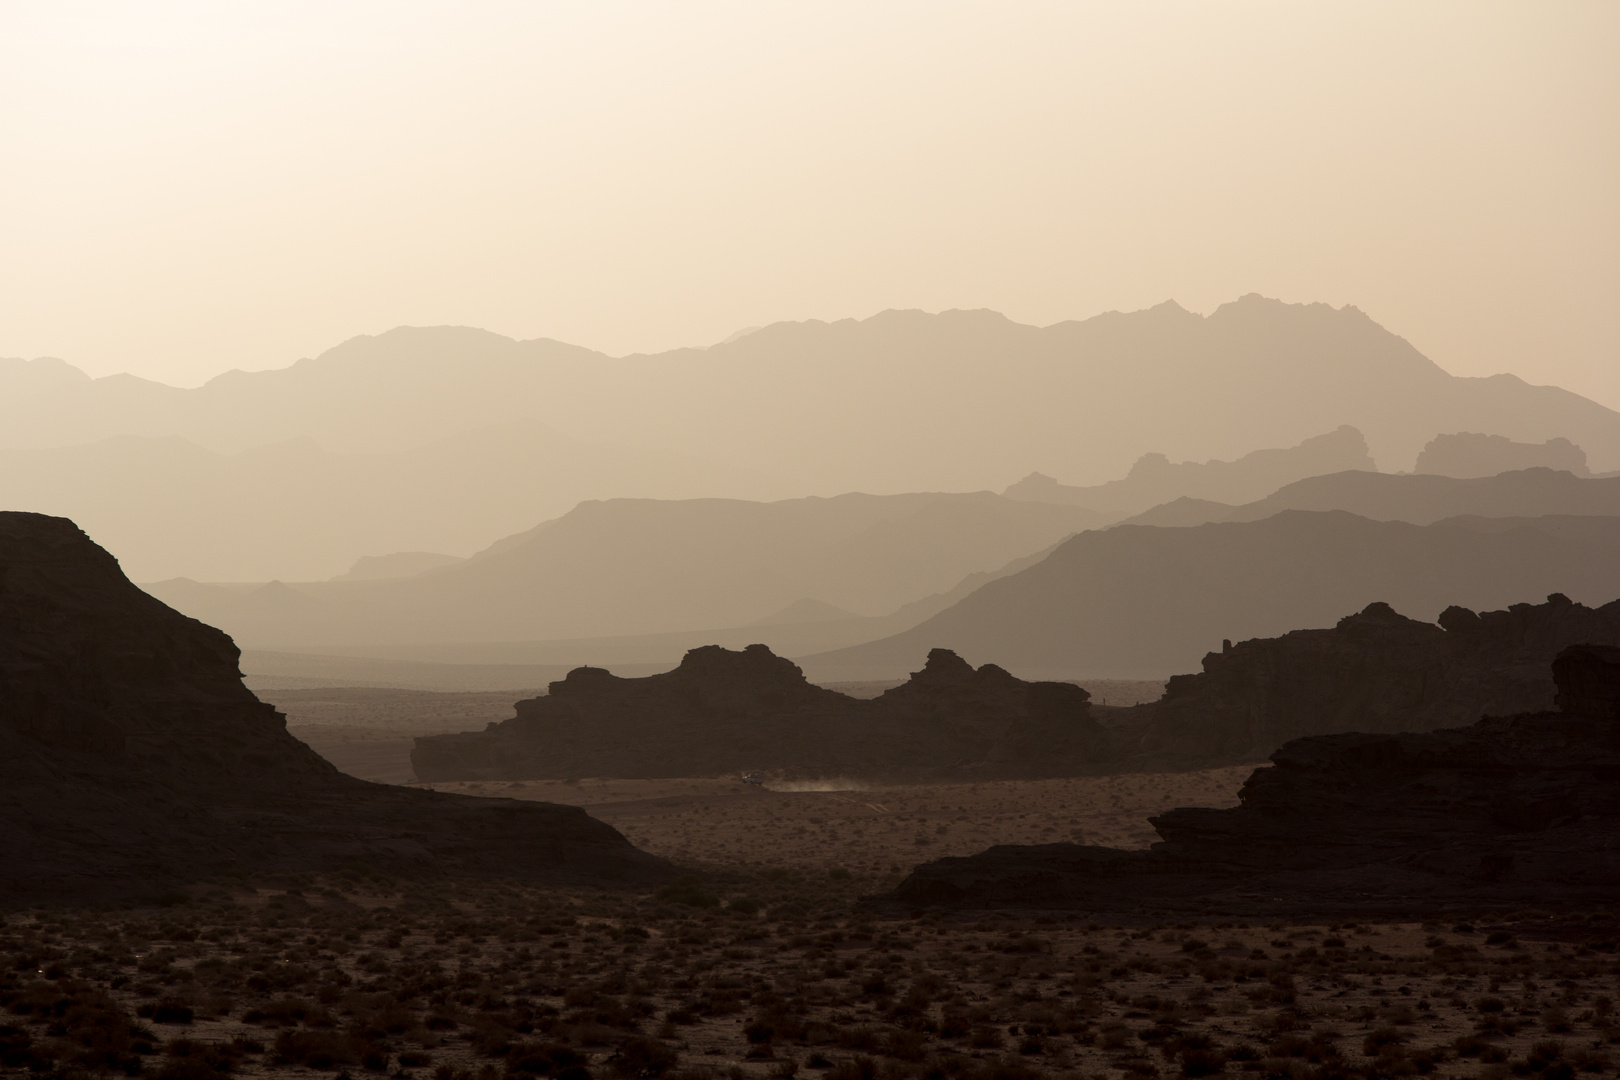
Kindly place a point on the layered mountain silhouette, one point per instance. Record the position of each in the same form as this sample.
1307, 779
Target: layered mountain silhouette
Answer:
647, 567
1146, 601
133, 760
1418, 499
902, 401
1154, 480
296, 511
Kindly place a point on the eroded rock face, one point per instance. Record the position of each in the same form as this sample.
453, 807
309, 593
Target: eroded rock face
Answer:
1376, 671
132, 758
742, 711
1507, 811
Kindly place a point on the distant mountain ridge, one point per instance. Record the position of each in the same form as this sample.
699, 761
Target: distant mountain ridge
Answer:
294, 510
1146, 601
438, 438
1419, 499
955, 400
649, 567
1154, 480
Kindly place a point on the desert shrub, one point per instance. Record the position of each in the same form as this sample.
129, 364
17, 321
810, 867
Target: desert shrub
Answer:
316, 1049
905, 1045
859, 1067
289, 1011
1202, 1062
17, 1049
545, 1059
170, 1011
1382, 1042
1425, 1060
491, 1036
189, 1068
688, 892
862, 1038
640, 1057
1005, 1069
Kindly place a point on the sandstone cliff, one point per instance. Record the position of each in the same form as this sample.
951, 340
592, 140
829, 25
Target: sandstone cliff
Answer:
723, 711
1375, 671
133, 759
1506, 812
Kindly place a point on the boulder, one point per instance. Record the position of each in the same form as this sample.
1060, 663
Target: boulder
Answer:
726, 711
133, 759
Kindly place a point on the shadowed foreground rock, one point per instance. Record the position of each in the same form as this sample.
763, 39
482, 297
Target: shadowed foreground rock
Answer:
133, 759
1516, 811
1375, 671
738, 711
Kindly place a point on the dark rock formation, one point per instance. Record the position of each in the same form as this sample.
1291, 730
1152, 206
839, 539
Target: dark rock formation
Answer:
1508, 811
1469, 454
723, 711
133, 759
1376, 671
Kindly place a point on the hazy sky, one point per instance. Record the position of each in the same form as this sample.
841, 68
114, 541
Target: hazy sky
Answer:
192, 187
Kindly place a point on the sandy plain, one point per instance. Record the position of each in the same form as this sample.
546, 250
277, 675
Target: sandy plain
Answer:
762, 962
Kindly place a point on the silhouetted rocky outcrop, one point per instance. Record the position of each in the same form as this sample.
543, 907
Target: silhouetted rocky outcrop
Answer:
1513, 811
1469, 453
133, 759
1376, 671
724, 711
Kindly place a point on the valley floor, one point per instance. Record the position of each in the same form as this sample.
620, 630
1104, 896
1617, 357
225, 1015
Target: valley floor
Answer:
869, 829
778, 975
762, 963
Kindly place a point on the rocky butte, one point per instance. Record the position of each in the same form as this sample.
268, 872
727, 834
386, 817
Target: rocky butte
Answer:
133, 760
749, 710
1507, 812
1375, 671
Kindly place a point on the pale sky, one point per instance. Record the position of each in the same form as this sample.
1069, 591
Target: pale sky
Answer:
187, 188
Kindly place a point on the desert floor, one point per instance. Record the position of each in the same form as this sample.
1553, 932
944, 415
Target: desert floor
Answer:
762, 961
779, 974
879, 831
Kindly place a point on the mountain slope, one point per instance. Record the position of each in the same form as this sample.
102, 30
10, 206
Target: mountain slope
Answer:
640, 566
294, 510
1154, 480
1147, 601
1419, 499
900, 401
